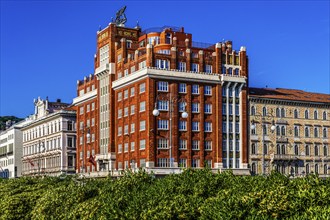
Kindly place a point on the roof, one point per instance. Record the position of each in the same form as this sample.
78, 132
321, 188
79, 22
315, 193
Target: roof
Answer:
289, 94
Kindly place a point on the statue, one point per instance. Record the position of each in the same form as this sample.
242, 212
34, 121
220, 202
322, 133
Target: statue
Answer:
121, 17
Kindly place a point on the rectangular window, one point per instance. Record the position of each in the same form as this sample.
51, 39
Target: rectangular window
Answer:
142, 87
142, 106
162, 124
195, 126
132, 109
142, 163
120, 131
126, 147
120, 75
182, 144
208, 145
132, 69
182, 106
195, 145
163, 162
126, 94
195, 107
208, 126
120, 112
132, 127
120, 148
81, 110
224, 109
126, 72
208, 108
120, 96
162, 105
126, 129
182, 125
162, 64
142, 64
183, 162
182, 66
182, 88
132, 91
162, 86
195, 89
208, 68
237, 109
207, 90
93, 106
162, 143
70, 142
132, 146
237, 127
142, 144
88, 108
195, 163
142, 125
194, 67
125, 111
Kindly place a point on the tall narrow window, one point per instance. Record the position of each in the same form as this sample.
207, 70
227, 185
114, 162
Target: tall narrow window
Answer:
295, 113
264, 111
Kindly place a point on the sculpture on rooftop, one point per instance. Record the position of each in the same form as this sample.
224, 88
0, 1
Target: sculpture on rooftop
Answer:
120, 17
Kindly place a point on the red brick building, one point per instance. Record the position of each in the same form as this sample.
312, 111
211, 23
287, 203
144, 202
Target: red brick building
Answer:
162, 72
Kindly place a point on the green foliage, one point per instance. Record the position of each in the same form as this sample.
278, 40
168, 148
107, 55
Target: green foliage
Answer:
4, 119
194, 194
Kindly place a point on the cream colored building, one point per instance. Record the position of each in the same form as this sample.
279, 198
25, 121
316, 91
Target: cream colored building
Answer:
289, 132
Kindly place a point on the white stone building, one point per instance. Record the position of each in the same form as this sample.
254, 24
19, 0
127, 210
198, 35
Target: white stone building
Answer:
49, 140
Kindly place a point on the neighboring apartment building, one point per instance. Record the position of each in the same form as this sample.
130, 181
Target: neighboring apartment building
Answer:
147, 79
11, 151
87, 121
299, 141
49, 139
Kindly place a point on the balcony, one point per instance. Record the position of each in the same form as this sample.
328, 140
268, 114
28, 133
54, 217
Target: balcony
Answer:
286, 157
281, 121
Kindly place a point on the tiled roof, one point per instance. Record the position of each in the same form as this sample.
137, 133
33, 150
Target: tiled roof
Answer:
289, 94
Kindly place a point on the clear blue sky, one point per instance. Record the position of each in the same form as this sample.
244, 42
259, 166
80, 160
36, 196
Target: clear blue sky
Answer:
46, 46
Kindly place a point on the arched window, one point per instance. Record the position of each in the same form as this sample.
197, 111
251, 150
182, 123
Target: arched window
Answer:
265, 129
236, 71
306, 132
278, 149
253, 110
278, 130
325, 150
295, 113
253, 148
307, 168
324, 115
253, 169
306, 114
307, 150
278, 112
316, 150
296, 132
315, 114
316, 168
316, 132
265, 149
325, 132
325, 169
283, 113
264, 111
283, 130
296, 149
283, 149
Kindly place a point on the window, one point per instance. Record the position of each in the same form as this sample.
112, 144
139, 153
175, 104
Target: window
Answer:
208, 68
265, 149
195, 163
182, 144
296, 150
253, 169
306, 114
162, 64
253, 110
142, 125
253, 148
142, 106
195, 145
93, 106
132, 67
126, 147
142, 87
142, 65
237, 109
264, 111
182, 125
325, 135
132, 127
182, 106
208, 126
70, 126
183, 162
307, 150
208, 108
230, 71
162, 143
195, 89
316, 132
325, 169
316, 169
120, 148
324, 115
120, 131
142, 144
207, 90
208, 145
283, 130
142, 162
194, 67
162, 124
296, 131
132, 91
126, 94
81, 110
126, 129
283, 113
125, 111
236, 71
223, 69
295, 113
163, 162
120, 75
195, 126
278, 130
315, 114
278, 112
162, 86
126, 72
307, 168
70, 141
195, 107
120, 96
306, 131
132, 146
182, 66
120, 112
162, 105
253, 131
182, 88
132, 109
